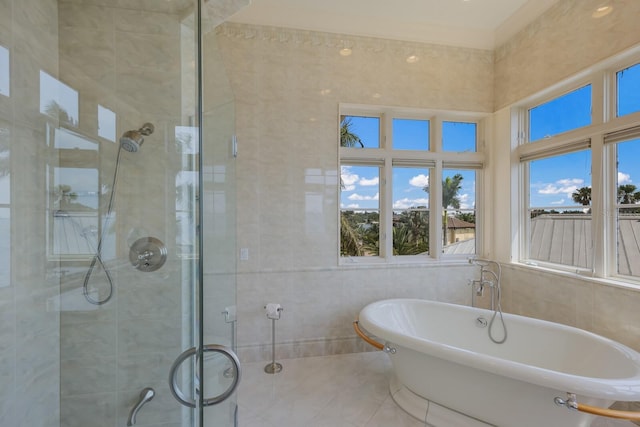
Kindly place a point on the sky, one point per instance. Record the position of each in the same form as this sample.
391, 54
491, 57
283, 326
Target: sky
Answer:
362, 183
552, 181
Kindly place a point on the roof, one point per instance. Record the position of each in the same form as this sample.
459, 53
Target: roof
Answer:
566, 239
464, 247
453, 222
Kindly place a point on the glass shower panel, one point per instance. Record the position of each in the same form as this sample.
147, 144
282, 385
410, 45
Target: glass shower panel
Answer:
120, 223
105, 196
219, 229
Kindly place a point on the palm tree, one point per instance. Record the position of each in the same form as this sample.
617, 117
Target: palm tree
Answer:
451, 186
350, 242
64, 198
347, 137
404, 243
627, 194
582, 195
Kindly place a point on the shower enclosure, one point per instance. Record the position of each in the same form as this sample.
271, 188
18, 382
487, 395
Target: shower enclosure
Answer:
117, 214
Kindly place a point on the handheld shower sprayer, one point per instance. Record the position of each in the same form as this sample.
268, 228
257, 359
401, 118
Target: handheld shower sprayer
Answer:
132, 140
491, 275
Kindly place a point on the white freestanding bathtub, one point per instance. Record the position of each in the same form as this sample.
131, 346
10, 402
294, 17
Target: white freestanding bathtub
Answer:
448, 372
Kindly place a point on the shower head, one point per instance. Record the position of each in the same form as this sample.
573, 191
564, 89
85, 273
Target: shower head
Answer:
131, 140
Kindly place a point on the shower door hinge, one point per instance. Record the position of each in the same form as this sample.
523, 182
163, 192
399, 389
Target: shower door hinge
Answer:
234, 146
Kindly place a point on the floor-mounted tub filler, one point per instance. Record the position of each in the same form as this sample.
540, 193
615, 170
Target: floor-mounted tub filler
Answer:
447, 372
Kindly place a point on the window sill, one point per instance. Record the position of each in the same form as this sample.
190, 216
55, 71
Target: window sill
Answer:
409, 261
616, 282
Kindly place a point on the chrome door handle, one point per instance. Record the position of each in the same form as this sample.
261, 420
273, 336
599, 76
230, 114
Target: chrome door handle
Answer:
173, 375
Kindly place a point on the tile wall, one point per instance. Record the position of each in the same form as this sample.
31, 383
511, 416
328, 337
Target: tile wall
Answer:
565, 40
129, 62
287, 86
29, 333
561, 43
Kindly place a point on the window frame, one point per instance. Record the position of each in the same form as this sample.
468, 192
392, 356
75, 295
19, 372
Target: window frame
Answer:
434, 159
604, 121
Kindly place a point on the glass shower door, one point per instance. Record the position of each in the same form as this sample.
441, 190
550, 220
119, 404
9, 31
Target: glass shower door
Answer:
209, 369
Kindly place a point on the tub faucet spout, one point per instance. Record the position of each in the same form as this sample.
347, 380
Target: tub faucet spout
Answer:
145, 395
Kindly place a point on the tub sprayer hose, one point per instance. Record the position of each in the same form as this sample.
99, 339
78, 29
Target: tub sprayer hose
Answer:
497, 311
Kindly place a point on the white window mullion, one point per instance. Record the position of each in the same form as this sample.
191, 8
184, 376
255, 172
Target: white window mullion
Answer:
599, 194
525, 223
435, 212
386, 232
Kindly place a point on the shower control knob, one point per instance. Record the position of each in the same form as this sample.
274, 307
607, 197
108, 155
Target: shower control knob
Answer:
148, 254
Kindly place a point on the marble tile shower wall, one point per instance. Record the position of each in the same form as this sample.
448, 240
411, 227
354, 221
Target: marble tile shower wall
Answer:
29, 333
287, 86
129, 62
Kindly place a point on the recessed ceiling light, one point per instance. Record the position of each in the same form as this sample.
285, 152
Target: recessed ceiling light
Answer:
412, 59
345, 51
325, 92
602, 11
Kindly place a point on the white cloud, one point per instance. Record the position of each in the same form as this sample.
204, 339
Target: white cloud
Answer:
624, 178
348, 179
409, 203
420, 181
369, 182
563, 186
559, 202
359, 197
349, 206
464, 201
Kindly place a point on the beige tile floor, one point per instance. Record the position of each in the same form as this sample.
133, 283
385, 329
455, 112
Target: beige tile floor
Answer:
331, 391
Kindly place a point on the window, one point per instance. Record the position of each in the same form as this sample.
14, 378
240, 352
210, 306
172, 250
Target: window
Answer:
74, 226
388, 208
458, 136
564, 113
628, 87
5, 72
106, 123
459, 211
410, 211
581, 215
57, 100
410, 134
627, 203
559, 228
360, 214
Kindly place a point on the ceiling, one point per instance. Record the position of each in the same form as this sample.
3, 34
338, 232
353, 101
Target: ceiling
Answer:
482, 24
